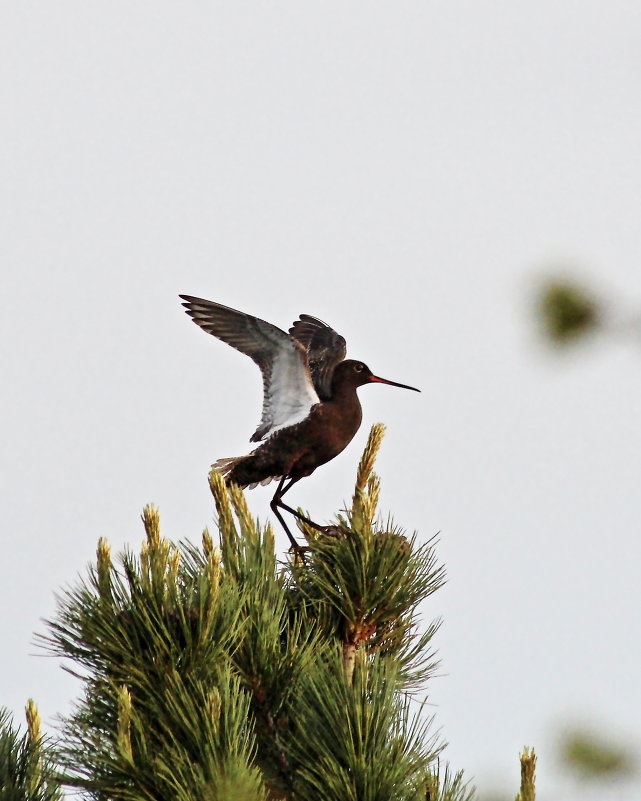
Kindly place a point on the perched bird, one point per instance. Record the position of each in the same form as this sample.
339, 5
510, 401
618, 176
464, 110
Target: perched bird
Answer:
311, 411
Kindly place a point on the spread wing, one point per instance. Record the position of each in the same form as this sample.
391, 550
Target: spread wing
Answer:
288, 390
325, 349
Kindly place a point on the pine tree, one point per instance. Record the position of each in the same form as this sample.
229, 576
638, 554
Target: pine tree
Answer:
218, 673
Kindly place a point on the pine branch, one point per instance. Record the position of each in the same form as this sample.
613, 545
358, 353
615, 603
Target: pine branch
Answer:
446, 786
27, 768
154, 641
360, 741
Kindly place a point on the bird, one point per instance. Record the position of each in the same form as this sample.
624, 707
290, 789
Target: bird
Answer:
311, 410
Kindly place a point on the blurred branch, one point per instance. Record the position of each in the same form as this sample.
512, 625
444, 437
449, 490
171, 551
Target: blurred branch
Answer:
591, 756
567, 312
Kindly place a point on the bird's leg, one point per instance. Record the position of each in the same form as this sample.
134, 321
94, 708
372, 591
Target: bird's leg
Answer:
277, 500
297, 514
275, 503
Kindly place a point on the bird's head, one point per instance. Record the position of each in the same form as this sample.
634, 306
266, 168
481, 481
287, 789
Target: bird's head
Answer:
352, 373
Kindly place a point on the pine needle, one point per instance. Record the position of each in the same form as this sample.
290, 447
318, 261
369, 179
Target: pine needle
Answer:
366, 464
528, 775
151, 521
123, 735
367, 489
239, 502
33, 721
223, 507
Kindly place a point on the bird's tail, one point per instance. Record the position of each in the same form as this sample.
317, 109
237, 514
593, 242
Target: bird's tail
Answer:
226, 466
234, 471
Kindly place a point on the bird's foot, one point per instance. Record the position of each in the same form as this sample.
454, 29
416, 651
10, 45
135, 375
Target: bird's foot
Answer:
299, 552
338, 532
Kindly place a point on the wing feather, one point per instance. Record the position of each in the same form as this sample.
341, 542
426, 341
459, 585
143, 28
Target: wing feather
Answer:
325, 349
288, 390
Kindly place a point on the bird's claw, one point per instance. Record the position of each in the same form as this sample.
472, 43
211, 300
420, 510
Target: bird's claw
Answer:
299, 552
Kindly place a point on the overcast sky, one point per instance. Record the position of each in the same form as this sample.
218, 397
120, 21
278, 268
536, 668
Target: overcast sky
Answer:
405, 171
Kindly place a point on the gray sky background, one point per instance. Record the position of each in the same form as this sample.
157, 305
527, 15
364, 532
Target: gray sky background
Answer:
405, 171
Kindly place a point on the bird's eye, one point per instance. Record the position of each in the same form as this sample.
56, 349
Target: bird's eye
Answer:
359, 368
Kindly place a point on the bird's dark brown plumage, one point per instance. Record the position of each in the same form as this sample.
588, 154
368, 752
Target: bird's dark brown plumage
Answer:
311, 410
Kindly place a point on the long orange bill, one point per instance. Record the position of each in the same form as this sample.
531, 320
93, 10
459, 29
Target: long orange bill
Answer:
378, 380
